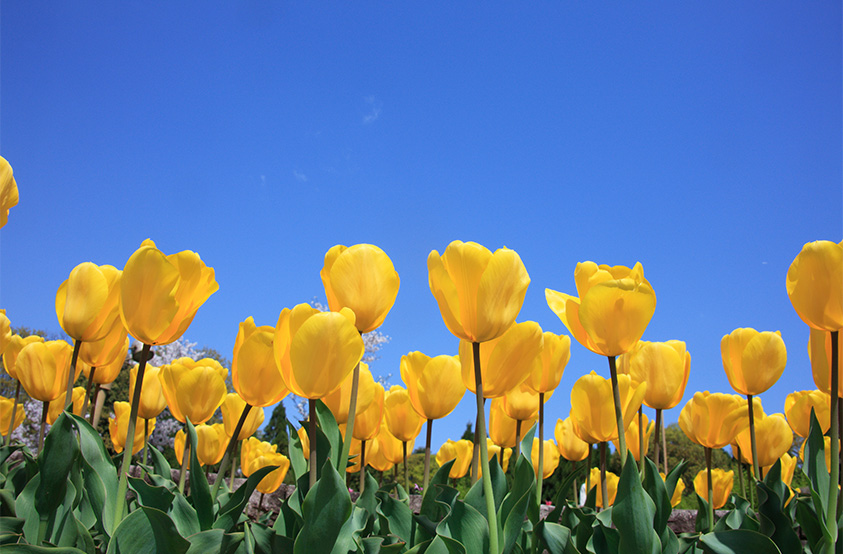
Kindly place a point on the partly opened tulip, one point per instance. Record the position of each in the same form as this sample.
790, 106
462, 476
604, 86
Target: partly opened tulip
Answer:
677, 491
459, 451
274, 478
502, 428
797, 409
551, 457
152, 400
570, 446
8, 191
813, 285
434, 384
5, 331
368, 422
254, 373
774, 439
713, 420
503, 454
753, 360
87, 302
722, 483
340, 400
632, 436
13, 349
118, 428
593, 416
7, 422
42, 368
211, 441
193, 389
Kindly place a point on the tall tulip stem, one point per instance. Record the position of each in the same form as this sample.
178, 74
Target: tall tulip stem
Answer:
491, 515
93, 404
641, 450
616, 395
475, 451
588, 470
12, 417
71, 373
576, 495
406, 479
185, 456
834, 478
658, 440
517, 439
664, 448
710, 495
229, 450
740, 472
130, 440
45, 407
88, 389
756, 471
540, 476
363, 466
311, 428
349, 427
145, 438
604, 486
427, 455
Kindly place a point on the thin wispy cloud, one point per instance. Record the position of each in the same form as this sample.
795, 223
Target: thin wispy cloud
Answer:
299, 176
374, 110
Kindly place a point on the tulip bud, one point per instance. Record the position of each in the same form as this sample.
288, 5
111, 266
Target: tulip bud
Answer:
551, 457
556, 351
721, 488
813, 285
677, 491
502, 428
193, 389
118, 426
434, 384
368, 422
86, 303
254, 374
753, 361
6, 415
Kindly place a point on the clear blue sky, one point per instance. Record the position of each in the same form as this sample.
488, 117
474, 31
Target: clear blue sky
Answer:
701, 139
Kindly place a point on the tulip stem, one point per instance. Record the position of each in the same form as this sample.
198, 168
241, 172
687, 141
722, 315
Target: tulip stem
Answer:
834, 478
71, 374
710, 496
145, 438
517, 440
229, 451
363, 467
604, 486
576, 492
184, 457
475, 452
664, 447
540, 475
427, 455
491, 514
349, 427
45, 407
755, 469
130, 440
616, 395
588, 470
641, 450
740, 472
93, 404
312, 440
88, 388
658, 440
234, 454
406, 480
14, 410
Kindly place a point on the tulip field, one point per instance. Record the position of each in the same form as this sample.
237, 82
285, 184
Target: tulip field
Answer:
70, 494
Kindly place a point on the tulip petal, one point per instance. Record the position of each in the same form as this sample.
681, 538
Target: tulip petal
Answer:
445, 292
148, 287
615, 314
500, 294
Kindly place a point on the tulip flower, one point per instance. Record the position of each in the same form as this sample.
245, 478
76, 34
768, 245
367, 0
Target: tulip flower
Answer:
104, 359
813, 285
254, 373
231, 408
391, 447
8, 423
56, 407
819, 352
713, 420
774, 439
118, 428
677, 491
10, 356
402, 420
632, 437
503, 454
301, 432
251, 449
152, 399
274, 478
520, 404
375, 457
211, 441
570, 446
798, 406
461, 452
193, 389
5, 331
502, 428
339, 401
505, 362
592, 415
8, 191
665, 367
722, 483
611, 482
787, 468
551, 457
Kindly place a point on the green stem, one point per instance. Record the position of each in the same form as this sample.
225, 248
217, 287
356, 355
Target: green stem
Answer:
641, 451
97, 389
540, 476
42, 529
229, 451
234, 454
710, 495
406, 480
349, 427
616, 396
604, 486
664, 448
427, 456
576, 490
755, 469
14, 410
45, 407
740, 472
834, 478
517, 452
475, 452
184, 458
587, 472
88, 389
312, 436
658, 440
363, 467
491, 514
145, 438
71, 374
123, 484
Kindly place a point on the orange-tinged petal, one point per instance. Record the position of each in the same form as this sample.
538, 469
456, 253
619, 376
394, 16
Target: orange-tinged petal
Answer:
434, 384
199, 393
56, 407
570, 446
721, 487
6, 415
556, 351
42, 369
339, 401
13, 349
753, 360
367, 423
465, 262
798, 406
551, 457
402, 420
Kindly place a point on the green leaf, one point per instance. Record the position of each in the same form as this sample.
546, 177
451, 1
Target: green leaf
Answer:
268, 541
440, 478
467, 526
810, 523
564, 488
55, 462
513, 510
28, 549
774, 521
476, 496
288, 522
324, 511
814, 467
200, 492
328, 425
737, 541
553, 536
154, 497
349, 535
160, 464
184, 516
633, 513
230, 513
147, 530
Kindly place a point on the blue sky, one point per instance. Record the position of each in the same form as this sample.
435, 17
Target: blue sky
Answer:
701, 139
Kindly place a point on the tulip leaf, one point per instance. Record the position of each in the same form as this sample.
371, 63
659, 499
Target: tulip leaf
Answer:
553, 537
604, 539
656, 488
809, 524
200, 492
268, 541
633, 513
324, 511
55, 461
298, 462
440, 478
288, 522
29, 549
395, 517
184, 516
230, 513
349, 534
564, 488
527, 445
160, 465
147, 530
523, 484
328, 425
148, 495
467, 526
438, 545
476, 495
774, 522
737, 541
817, 472
739, 517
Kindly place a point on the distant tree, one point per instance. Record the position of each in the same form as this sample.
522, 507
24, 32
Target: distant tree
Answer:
468, 434
275, 431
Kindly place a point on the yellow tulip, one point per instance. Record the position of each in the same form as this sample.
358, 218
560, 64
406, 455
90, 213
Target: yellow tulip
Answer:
788, 467
813, 285
479, 293
6, 415
505, 362
495, 450
753, 361
390, 447
56, 406
615, 305
152, 399
502, 428
339, 400
254, 374
461, 451
819, 351
362, 278
231, 408
713, 420
664, 366
797, 409
677, 491
10, 354
5, 331
632, 436
593, 412
773, 438
106, 354
434, 384
42, 369
368, 422
316, 351
305, 441
375, 457
118, 426
402, 420
551, 457
8, 191
556, 352
570, 446
274, 478
611, 486
251, 449
193, 389
521, 403
160, 295
721, 487
86, 302
211, 442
